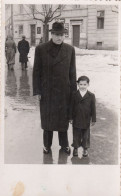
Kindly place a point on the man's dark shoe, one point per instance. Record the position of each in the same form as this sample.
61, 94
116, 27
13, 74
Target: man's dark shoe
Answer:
75, 152
46, 150
66, 150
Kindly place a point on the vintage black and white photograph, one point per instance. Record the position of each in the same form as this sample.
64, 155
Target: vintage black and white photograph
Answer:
61, 84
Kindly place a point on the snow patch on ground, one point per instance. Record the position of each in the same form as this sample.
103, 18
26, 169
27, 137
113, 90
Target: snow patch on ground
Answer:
101, 66
31, 56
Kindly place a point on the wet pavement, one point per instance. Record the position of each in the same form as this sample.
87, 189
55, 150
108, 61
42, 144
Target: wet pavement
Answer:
24, 137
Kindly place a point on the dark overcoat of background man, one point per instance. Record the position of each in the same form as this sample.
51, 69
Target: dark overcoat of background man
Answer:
23, 48
54, 79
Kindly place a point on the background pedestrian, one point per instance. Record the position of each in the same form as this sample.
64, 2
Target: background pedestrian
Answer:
10, 50
23, 48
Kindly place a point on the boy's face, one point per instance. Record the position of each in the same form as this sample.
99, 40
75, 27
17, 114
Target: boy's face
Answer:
83, 85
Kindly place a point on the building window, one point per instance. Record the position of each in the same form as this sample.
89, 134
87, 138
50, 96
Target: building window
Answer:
100, 20
77, 6
20, 29
99, 43
21, 9
38, 30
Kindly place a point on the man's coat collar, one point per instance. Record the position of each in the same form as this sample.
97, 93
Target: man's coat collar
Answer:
61, 54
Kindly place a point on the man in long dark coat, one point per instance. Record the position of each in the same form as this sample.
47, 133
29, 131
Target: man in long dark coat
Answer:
23, 48
54, 80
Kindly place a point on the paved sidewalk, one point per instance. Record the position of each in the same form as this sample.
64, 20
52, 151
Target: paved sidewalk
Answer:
23, 135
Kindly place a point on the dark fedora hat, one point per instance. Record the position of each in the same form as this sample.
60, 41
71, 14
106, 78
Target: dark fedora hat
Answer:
58, 27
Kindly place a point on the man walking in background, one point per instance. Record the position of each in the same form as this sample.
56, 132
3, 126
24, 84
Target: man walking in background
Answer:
54, 80
10, 50
23, 48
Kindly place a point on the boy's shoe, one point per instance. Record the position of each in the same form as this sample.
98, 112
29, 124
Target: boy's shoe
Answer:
46, 150
75, 152
85, 153
66, 150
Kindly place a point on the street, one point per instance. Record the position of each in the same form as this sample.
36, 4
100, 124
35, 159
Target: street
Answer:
23, 137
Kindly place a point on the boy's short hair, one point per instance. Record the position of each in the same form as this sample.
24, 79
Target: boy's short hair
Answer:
83, 78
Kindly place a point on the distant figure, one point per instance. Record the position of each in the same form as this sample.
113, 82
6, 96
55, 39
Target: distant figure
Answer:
23, 48
41, 40
83, 113
10, 50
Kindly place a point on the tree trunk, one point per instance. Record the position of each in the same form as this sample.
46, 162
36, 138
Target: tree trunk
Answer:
45, 32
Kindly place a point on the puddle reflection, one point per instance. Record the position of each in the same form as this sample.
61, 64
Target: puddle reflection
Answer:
24, 89
62, 158
80, 161
48, 158
11, 85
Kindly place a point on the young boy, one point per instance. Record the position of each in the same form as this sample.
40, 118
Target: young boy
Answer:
83, 111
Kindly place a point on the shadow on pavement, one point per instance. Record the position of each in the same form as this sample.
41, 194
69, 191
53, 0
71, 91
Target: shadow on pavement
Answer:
48, 158
62, 158
24, 89
82, 161
11, 85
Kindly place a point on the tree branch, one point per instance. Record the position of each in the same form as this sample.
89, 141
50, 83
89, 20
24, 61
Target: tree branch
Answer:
45, 9
37, 18
36, 11
27, 12
54, 11
54, 17
60, 8
47, 12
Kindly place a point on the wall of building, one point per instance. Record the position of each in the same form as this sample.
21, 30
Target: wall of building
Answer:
73, 17
8, 26
25, 18
83, 16
109, 35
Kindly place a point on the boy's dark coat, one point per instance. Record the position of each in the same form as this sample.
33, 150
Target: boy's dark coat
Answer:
23, 48
54, 78
83, 110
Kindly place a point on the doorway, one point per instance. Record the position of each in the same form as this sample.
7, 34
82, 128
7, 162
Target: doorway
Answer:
76, 35
33, 34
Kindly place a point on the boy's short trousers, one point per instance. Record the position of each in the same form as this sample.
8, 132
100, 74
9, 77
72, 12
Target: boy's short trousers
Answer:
81, 137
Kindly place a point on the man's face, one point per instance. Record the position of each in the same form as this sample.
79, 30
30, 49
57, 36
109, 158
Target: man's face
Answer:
58, 37
83, 85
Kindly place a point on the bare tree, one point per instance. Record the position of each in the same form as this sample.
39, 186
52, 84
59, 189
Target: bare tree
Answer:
46, 13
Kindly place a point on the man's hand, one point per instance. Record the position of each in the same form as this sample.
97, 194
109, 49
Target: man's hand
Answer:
39, 97
92, 123
70, 121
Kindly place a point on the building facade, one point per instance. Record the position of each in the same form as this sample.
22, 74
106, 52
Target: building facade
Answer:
102, 27
89, 26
